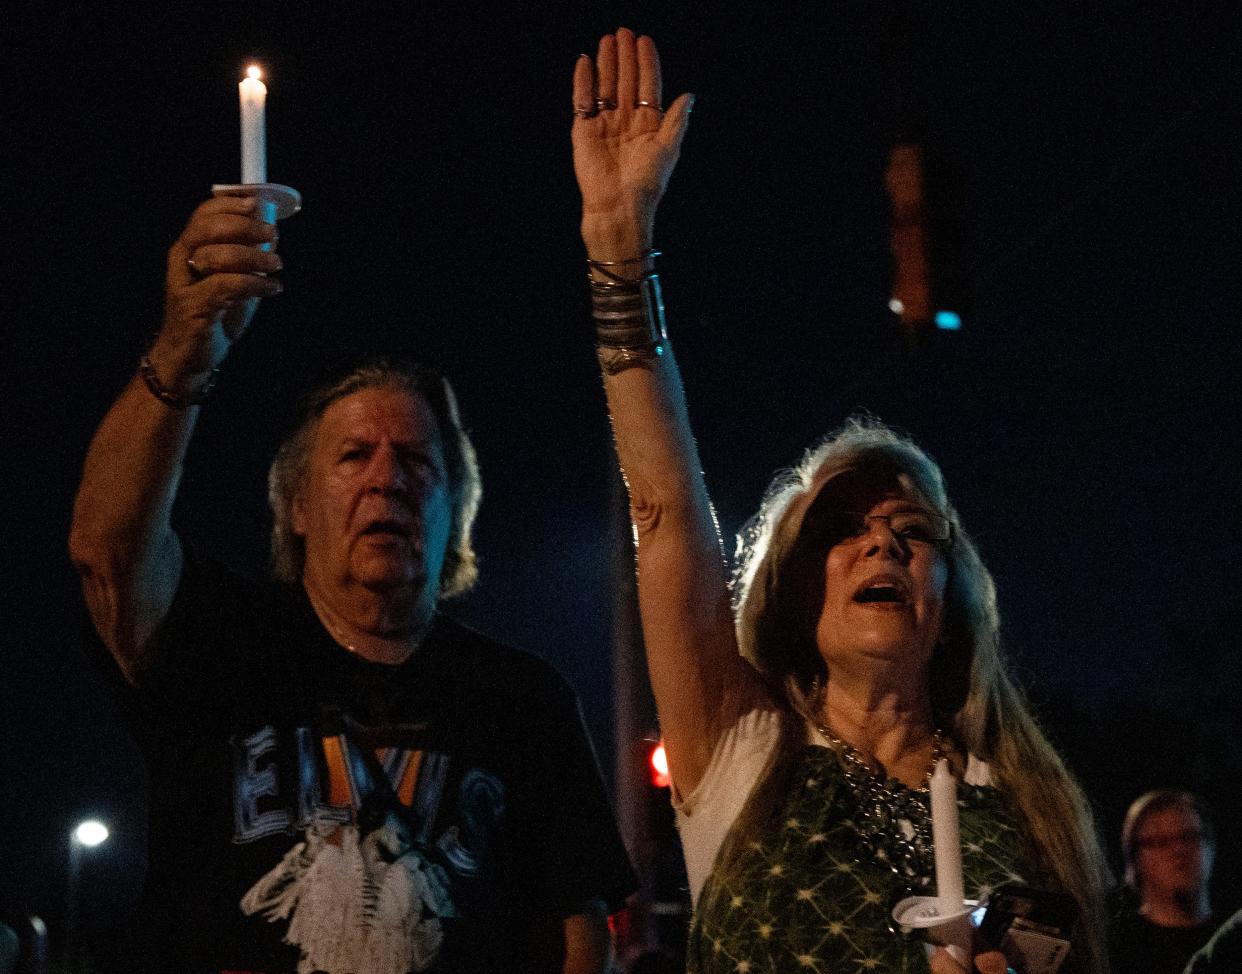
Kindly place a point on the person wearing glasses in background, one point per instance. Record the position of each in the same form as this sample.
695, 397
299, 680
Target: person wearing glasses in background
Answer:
1168, 845
862, 643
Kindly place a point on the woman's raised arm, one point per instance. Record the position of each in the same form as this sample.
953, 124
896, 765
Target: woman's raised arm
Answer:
625, 149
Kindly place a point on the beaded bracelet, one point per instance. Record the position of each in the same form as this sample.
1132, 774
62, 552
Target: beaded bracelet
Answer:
147, 371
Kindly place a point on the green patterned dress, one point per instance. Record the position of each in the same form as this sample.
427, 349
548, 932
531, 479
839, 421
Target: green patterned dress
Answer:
806, 895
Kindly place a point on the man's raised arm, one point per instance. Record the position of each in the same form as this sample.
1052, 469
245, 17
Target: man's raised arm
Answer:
122, 542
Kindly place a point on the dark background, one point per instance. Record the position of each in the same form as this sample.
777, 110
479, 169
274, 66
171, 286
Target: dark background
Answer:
1087, 415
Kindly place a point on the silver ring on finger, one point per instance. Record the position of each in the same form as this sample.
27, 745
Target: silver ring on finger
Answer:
604, 104
647, 104
196, 272
584, 112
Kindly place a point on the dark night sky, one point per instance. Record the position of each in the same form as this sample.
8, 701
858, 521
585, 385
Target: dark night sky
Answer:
1087, 416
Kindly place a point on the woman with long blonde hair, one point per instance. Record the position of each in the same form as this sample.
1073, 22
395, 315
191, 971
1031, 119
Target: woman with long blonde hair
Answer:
803, 702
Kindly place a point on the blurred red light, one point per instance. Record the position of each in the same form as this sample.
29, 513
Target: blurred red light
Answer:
658, 763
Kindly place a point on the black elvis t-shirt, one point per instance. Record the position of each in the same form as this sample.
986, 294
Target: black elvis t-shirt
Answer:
312, 811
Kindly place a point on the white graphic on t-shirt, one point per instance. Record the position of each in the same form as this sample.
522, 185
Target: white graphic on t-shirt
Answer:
368, 888
373, 906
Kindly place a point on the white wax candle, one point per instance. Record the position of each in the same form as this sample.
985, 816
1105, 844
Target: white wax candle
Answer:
253, 127
950, 894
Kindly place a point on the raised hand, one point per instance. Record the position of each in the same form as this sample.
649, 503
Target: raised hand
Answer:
625, 146
216, 274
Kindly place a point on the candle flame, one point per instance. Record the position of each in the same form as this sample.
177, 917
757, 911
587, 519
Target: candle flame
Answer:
254, 72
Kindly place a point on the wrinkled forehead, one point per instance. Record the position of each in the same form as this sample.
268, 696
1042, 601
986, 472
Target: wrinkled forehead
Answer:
375, 412
860, 488
856, 489
1170, 818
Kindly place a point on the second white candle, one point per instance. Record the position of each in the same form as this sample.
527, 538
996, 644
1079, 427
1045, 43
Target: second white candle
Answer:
950, 894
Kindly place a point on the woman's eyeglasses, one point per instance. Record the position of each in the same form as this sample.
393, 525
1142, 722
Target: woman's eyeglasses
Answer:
917, 526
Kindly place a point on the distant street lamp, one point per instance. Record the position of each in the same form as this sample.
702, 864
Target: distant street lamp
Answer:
91, 833
86, 835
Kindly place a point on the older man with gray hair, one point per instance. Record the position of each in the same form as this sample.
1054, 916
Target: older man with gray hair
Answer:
342, 779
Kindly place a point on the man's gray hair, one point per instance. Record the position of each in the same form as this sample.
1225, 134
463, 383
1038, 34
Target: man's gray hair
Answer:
287, 475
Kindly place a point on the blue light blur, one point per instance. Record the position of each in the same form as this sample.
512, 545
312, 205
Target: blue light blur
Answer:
948, 320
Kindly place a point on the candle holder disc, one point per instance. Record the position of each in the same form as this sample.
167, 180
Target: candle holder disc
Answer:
279, 201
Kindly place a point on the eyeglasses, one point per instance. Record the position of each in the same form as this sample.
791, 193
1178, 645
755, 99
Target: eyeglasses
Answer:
1189, 837
916, 526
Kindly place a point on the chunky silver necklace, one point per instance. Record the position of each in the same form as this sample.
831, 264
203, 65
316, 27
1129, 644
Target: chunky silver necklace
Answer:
891, 820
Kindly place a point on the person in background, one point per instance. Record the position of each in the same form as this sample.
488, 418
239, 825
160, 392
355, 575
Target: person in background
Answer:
1168, 846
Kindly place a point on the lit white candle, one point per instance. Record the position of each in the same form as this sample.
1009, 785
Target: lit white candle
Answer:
253, 127
950, 894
